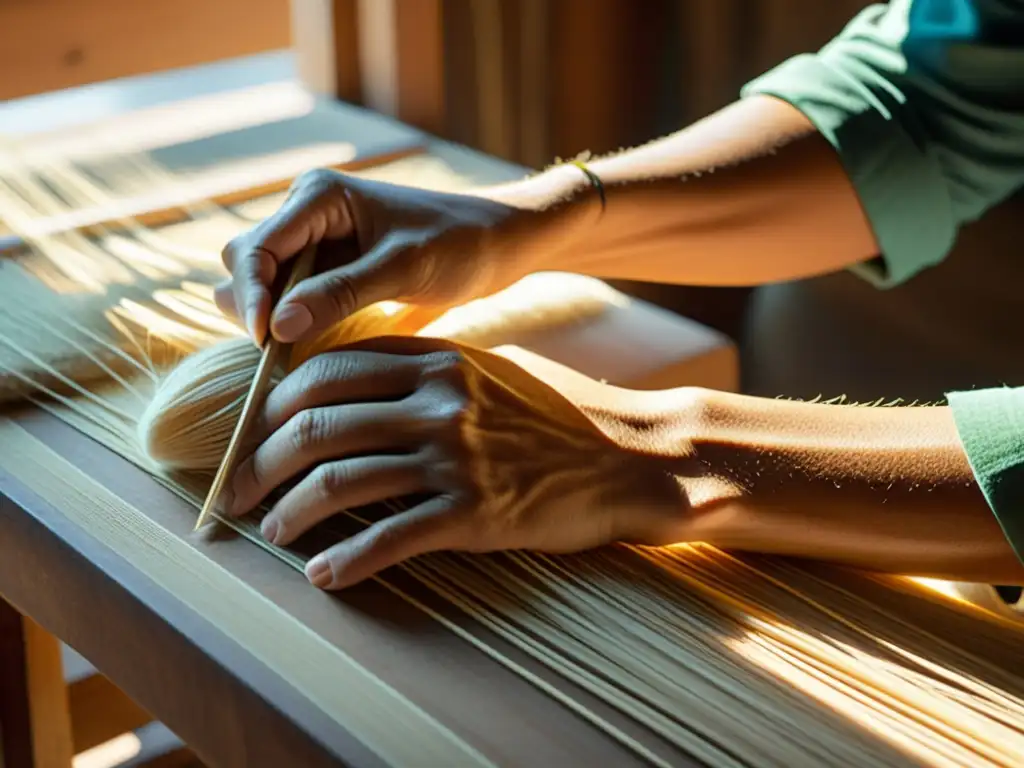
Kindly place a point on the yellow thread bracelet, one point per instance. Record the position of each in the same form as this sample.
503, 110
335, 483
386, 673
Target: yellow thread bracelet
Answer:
595, 182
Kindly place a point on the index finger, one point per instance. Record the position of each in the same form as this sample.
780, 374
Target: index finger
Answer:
314, 212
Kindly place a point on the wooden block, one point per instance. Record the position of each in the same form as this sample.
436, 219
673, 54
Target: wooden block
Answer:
640, 346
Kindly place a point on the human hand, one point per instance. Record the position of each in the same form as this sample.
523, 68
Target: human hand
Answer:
511, 464
377, 242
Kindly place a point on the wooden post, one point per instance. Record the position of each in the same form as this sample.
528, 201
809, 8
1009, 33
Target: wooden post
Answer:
713, 55
384, 54
35, 721
419, 73
525, 80
325, 41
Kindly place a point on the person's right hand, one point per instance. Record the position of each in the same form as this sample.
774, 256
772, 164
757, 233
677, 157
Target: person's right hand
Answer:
377, 242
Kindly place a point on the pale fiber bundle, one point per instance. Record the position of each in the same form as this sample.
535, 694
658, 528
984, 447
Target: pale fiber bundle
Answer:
196, 404
193, 410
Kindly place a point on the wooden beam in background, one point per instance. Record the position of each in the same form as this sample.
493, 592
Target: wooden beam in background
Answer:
525, 80
419, 42
788, 27
604, 66
325, 41
534, 107
46, 45
384, 54
712, 55
488, 47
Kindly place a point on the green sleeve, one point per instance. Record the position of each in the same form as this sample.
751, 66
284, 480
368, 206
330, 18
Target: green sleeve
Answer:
991, 427
924, 101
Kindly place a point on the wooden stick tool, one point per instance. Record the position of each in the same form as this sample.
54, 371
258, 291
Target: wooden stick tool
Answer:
301, 269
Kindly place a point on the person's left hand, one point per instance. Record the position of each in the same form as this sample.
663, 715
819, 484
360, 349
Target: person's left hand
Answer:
505, 461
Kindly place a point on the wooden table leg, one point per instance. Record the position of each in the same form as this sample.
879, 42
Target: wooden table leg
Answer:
35, 721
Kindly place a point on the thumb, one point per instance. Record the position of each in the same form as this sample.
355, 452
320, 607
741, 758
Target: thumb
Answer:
316, 209
323, 300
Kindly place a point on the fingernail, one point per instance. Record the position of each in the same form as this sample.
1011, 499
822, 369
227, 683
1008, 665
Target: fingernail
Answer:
270, 529
318, 571
291, 321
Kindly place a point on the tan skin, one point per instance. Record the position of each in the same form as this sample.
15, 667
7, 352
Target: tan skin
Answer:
761, 197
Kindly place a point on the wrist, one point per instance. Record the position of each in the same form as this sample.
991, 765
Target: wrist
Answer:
539, 191
554, 211
669, 433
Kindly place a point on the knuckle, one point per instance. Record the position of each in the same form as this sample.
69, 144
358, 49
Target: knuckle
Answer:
385, 536
224, 297
316, 180
328, 479
332, 368
308, 428
442, 414
229, 253
340, 291
252, 473
446, 366
440, 468
238, 252
432, 466
323, 373
313, 371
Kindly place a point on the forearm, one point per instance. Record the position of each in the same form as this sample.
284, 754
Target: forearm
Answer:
887, 488
750, 195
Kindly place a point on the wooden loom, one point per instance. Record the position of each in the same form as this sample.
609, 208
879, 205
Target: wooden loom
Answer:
250, 666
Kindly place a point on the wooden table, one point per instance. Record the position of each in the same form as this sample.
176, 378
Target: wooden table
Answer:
60, 582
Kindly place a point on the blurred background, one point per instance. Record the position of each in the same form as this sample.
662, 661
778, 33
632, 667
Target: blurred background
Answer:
525, 80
